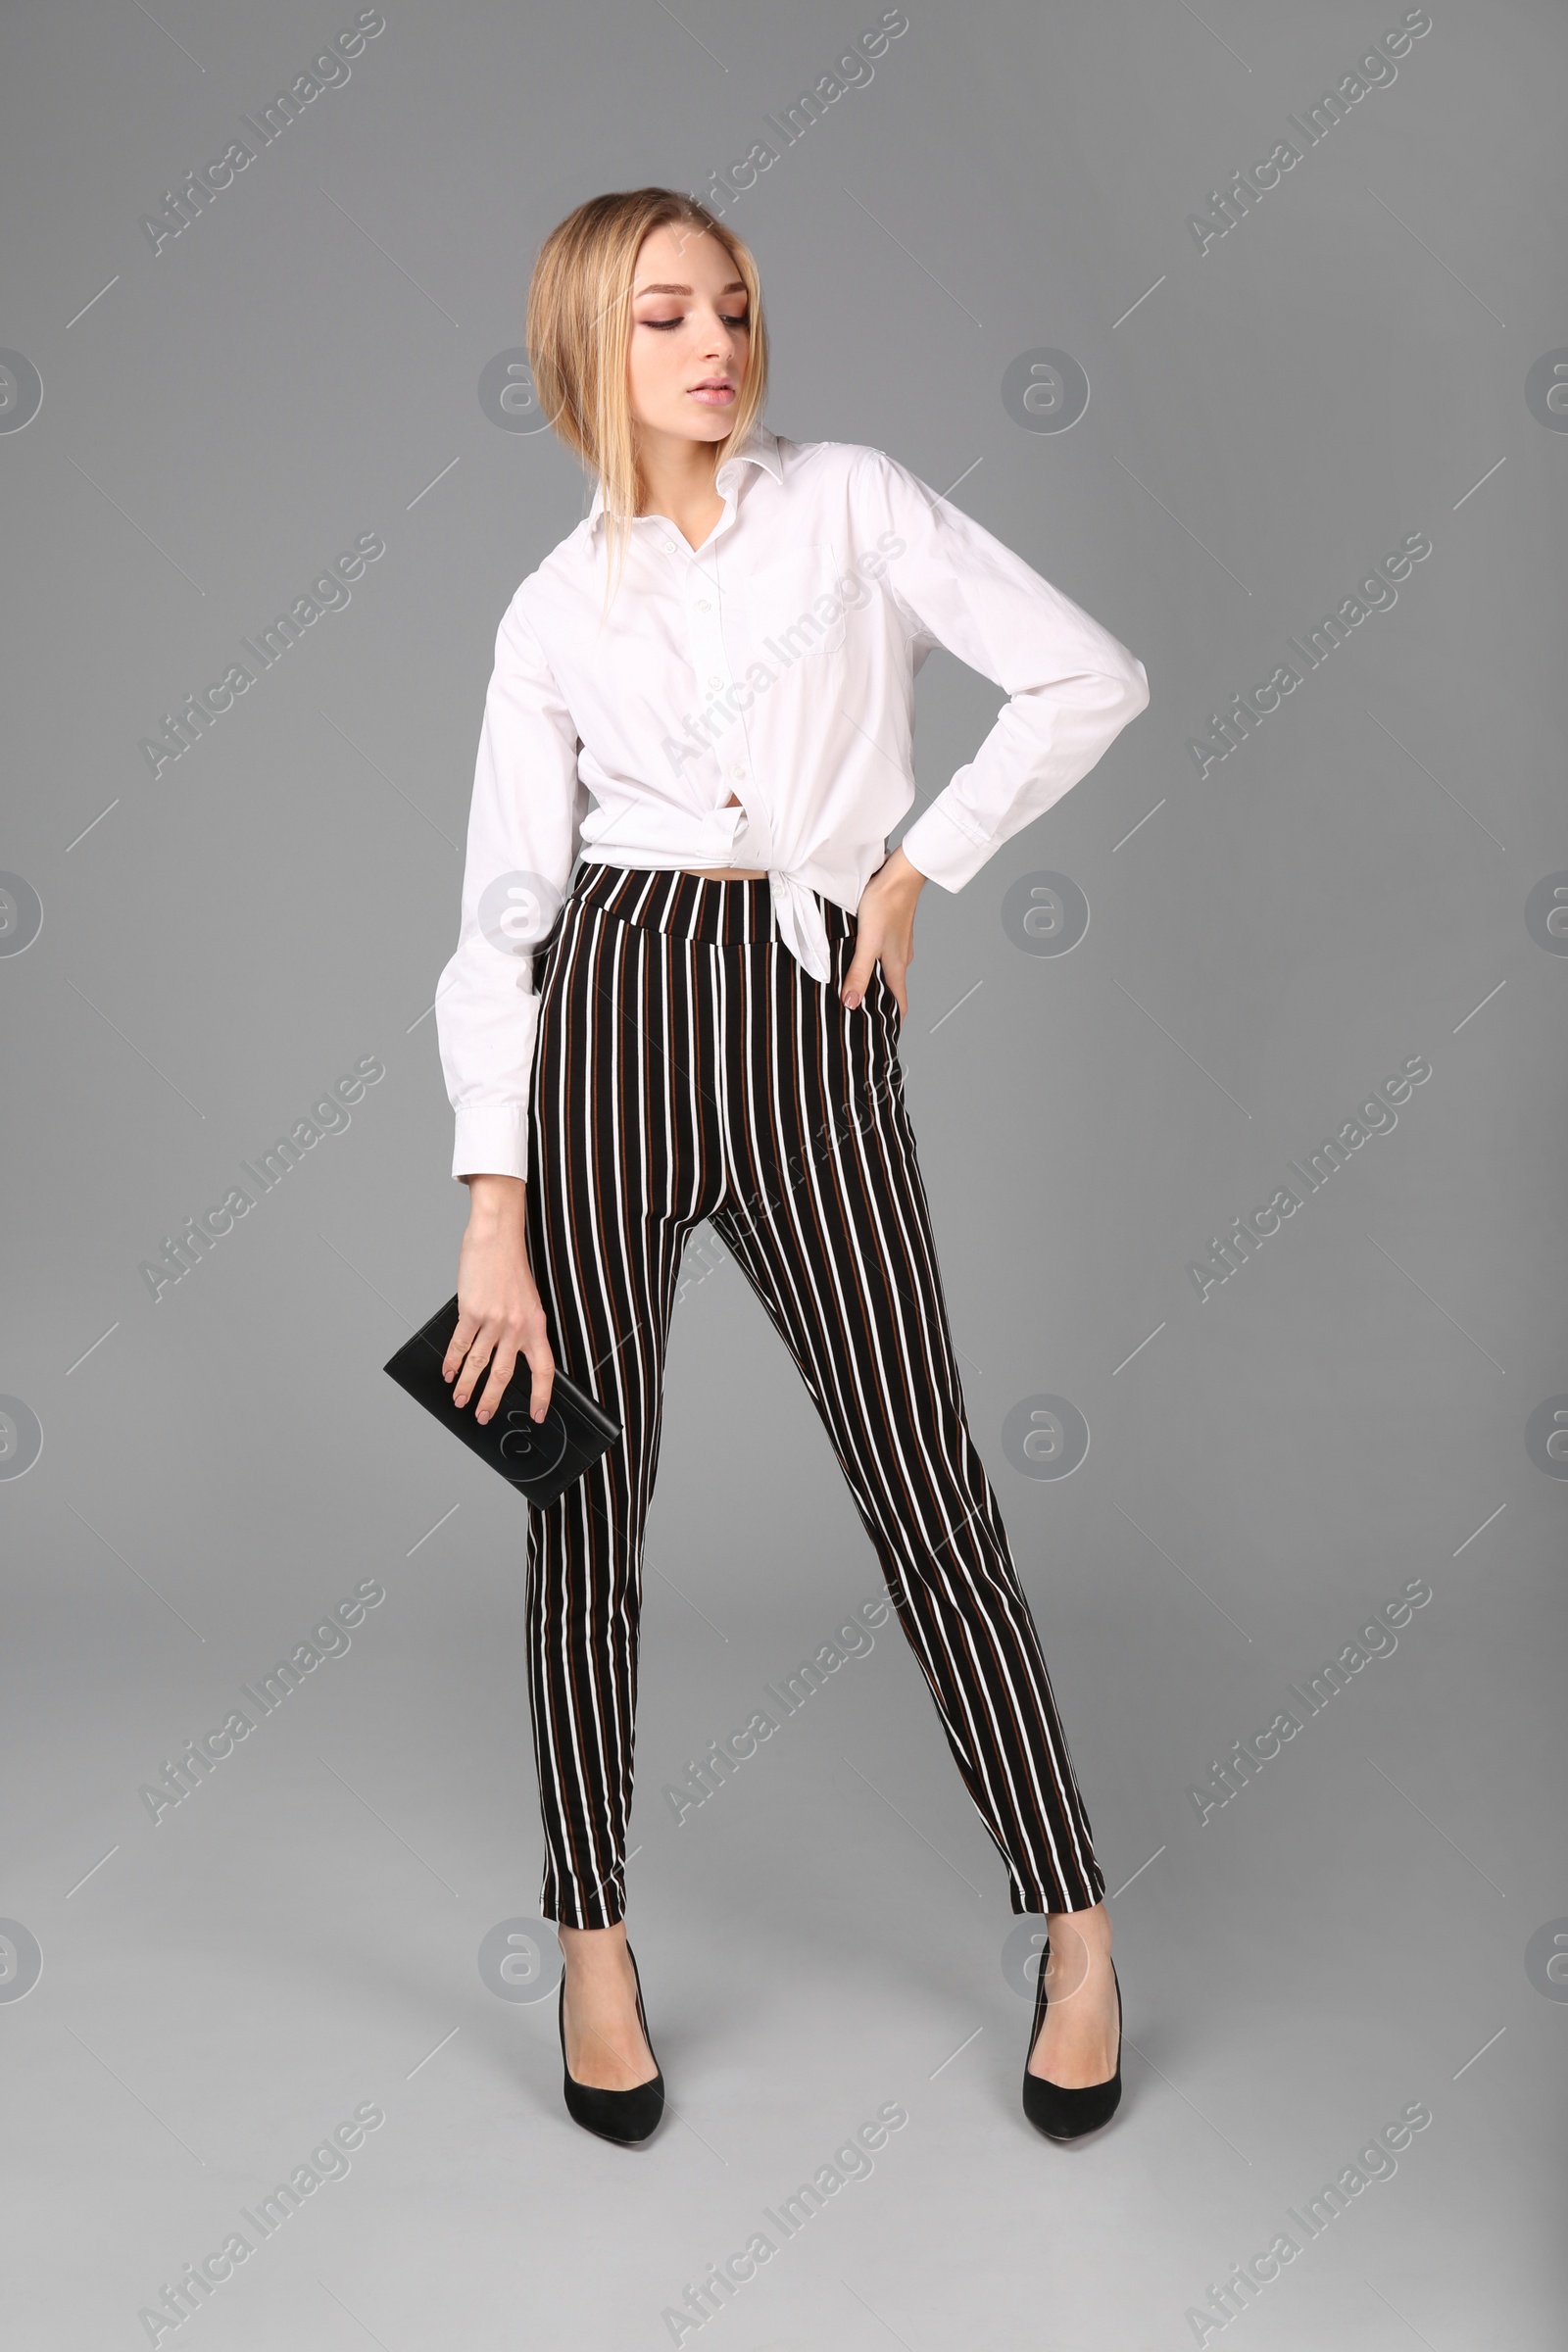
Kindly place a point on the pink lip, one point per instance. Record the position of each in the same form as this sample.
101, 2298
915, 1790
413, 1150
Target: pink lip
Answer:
713, 395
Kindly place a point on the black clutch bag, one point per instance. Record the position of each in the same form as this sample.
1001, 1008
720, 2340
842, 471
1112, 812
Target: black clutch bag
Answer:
540, 1458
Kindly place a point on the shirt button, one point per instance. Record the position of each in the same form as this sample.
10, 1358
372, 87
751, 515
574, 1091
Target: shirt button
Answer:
715, 681
737, 774
703, 605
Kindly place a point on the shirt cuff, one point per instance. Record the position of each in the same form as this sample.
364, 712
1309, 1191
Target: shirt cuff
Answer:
491, 1142
938, 847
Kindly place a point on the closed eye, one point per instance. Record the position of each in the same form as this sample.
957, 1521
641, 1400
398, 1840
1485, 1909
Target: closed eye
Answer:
664, 324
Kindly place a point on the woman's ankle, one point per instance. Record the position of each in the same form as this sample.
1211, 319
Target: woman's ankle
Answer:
595, 1951
1079, 1951
1088, 1928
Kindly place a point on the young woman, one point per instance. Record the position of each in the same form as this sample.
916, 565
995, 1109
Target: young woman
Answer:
706, 692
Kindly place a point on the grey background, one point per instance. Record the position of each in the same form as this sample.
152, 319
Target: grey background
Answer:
301, 365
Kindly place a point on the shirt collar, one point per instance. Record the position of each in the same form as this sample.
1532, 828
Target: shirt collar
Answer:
759, 448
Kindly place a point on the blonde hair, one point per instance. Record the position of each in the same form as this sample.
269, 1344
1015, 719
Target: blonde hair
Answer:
578, 336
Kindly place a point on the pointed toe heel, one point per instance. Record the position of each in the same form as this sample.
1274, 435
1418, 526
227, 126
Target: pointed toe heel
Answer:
1063, 2114
627, 2117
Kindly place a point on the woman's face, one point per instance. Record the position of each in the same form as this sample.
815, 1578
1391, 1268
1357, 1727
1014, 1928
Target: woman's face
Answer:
689, 336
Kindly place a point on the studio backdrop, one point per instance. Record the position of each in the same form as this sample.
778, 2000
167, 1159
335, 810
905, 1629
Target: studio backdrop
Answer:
1237, 1080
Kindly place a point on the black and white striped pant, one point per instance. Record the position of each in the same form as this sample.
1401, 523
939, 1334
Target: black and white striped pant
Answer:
688, 1067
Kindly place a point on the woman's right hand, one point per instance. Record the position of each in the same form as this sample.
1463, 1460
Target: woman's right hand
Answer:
500, 1313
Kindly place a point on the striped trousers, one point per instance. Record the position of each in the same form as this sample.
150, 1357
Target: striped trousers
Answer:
687, 1068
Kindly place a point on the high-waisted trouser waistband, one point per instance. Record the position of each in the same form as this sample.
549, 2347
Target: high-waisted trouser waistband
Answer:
732, 914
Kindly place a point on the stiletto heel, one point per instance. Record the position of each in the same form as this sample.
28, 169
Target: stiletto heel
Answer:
1056, 2111
627, 2117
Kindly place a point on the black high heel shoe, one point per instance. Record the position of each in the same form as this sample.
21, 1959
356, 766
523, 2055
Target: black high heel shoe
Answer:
627, 2117
1060, 2113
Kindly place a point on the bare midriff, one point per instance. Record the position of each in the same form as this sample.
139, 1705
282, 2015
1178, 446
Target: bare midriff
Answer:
729, 873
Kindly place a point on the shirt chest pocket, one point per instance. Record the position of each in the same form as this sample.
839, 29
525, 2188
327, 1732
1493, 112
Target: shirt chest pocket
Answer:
794, 604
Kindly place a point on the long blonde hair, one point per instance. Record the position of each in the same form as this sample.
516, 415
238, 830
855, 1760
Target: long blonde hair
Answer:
578, 334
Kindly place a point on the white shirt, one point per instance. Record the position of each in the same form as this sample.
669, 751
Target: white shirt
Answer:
778, 662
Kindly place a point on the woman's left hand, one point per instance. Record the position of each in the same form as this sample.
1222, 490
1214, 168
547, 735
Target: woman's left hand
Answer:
885, 930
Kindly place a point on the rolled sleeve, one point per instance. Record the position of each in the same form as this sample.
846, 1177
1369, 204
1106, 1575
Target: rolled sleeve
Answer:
524, 832
1071, 685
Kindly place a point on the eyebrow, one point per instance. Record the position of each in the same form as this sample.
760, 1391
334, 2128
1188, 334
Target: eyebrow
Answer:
736, 286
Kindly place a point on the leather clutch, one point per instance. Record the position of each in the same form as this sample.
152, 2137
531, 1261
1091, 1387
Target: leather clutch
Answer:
540, 1458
